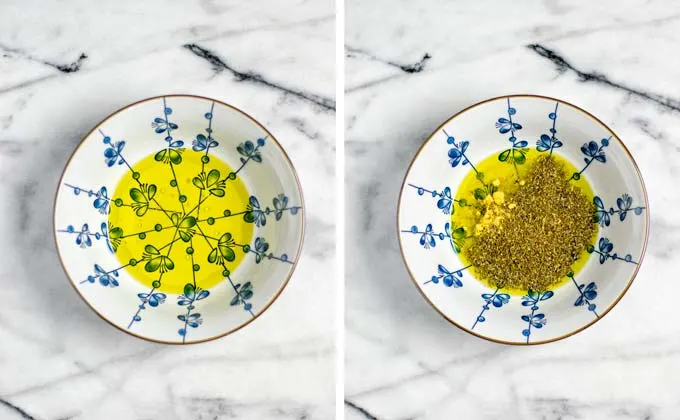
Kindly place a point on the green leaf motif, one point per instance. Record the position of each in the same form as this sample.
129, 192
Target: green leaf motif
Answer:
115, 237
175, 156
151, 250
152, 265
480, 194
519, 156
189, 290
213, 177
115, 232
137, 195
198, 183
188, 222
505, 154
160, 156
223, 251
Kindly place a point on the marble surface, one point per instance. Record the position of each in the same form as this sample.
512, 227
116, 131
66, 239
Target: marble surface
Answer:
64, 66
409, 66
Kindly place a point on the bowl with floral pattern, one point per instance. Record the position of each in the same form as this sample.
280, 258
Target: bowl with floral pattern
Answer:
179, 219
508, 129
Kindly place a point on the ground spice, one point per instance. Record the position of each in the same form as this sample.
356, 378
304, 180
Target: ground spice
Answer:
529, 237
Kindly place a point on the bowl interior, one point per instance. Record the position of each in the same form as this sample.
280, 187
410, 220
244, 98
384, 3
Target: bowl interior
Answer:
539, 316
273, 209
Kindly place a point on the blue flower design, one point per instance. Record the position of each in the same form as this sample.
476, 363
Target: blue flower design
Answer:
457, 153
494, 299
448, 278
190, 295
427, 238
535, 320
243, 293
153, 298
83, 239
254, 213
587, 294
114, 152
280, 205
106, 278
546, 143
592, 150
505, 125
549, 142
163, 124
593, 153
249, 151
203, 143
600, 215
445, 201
605, 248
192, 320
625, 204
516, 154
84, 235
173, 150
101, 203
261, 247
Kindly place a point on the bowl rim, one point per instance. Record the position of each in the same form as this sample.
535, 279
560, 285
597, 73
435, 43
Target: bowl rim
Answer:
637, 171
299, 245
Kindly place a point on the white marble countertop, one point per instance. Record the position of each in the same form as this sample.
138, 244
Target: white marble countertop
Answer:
64, 66
410, 65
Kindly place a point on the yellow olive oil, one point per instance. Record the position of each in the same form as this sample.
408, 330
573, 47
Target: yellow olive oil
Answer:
166, 218
505, 178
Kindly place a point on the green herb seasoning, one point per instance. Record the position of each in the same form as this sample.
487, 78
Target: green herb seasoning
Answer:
532, 227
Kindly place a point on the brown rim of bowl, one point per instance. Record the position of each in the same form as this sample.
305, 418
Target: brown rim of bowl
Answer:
302, 214
623, 292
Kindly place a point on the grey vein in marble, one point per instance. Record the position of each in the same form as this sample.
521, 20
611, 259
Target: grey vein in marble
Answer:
64, 68
219, 65
416, 67
563, 65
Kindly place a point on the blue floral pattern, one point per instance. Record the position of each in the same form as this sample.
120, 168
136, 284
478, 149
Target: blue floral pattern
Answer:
448, 278
260, 251
547, 143
105, 278
534, 319
587, 294
445, 201
188, 298
258, 215
495, 299
516, 154
604, 250
593, 152
456, 236
625, 204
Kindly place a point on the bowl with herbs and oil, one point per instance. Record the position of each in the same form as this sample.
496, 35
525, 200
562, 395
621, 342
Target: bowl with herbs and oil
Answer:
523, 219
179, 219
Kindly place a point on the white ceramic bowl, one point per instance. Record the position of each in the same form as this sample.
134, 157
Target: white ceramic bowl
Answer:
251, 271
482, 130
